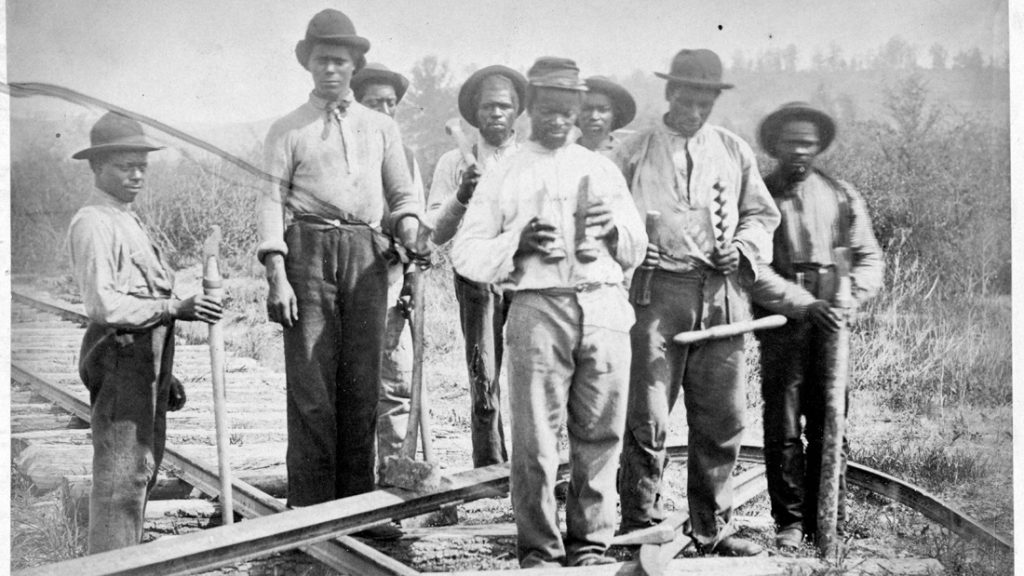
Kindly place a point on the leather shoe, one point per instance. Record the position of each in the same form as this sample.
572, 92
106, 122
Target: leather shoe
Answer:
385, 531
736, 546
592, 560
789, 538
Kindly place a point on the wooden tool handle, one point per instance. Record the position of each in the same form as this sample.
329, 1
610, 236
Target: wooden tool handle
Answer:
729, 330
213, 286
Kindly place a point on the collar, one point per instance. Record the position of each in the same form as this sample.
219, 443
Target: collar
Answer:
672, 132
322, 104
485, 147
101, 198
542, 149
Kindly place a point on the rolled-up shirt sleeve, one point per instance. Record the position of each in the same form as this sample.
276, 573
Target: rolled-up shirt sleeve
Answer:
104, 289
482, 250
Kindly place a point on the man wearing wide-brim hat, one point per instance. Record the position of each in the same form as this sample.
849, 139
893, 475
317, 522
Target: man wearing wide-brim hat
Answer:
819, 214
336, 166
568, 322
128, 348
490, 100
379, 88
607, 107
714, 232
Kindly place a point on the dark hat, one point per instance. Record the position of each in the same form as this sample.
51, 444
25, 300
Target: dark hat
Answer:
376, 73
116, 133
699, 68
552, 72
329, 27
622, 100
773, 123
467, 93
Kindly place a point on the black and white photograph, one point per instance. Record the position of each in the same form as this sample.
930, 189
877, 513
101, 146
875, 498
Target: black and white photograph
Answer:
473, 287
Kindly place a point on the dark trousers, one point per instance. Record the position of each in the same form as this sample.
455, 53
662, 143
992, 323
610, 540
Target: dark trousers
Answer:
792, 384
710, 375
333, 359
482, 312
129, 379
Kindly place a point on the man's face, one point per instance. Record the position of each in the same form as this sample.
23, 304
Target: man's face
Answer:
122, 174
797, 145
596, 117
689, 107
332, 68
380, 97
496, 111
553, 113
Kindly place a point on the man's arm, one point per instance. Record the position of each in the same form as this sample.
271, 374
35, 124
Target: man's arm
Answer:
758, 218
868, 267
630, 237
483, 250
444, 209
282, 306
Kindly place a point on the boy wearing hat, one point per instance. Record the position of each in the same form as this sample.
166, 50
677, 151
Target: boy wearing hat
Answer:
378, 88
819, 214
715, 229
606, 107
336, 166
568, 322
128, 348
490, 100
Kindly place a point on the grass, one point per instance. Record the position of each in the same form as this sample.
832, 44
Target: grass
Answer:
42, 532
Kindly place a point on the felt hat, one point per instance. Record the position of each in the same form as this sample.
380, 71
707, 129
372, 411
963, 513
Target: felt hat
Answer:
467, 93
329, 27
552, 72
114, 132
377, 73
622, 100
698, 68
772, 125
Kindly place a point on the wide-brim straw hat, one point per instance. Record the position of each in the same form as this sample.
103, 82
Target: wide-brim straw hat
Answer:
329, 27
698, 68
114, 132
622, 100
467, 93
376, 73
772, 125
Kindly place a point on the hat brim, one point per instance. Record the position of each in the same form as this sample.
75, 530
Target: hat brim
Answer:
622, 100
472, 85
371, 76
696, 83
770, 127
304, 47
108, 148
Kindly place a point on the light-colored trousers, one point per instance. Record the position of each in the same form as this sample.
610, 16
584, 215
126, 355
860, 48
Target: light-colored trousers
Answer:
561, 366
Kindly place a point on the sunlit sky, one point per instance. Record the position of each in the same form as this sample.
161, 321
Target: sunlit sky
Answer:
188, 61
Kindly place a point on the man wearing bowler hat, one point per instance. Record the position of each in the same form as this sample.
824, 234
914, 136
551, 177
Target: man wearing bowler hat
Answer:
819, 214
715, 230
128, 348
490, 100
379, 88
606, 107
336, 166
569, 319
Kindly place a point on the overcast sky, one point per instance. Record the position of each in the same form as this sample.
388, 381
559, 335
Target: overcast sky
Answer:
187, 61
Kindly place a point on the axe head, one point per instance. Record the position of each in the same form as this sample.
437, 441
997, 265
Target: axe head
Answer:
211, 246
452, 126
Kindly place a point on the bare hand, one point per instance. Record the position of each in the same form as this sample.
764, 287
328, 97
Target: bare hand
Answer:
823, 316
177, 398
726, 258
470, 178
653, 257
538, 236
282, 307
600, 218
405, 302
199, 307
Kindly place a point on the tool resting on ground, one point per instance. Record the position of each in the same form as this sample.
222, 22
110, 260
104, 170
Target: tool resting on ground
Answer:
836, 363
403, 470
214, 286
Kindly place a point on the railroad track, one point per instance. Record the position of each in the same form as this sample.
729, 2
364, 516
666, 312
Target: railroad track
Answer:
45, 339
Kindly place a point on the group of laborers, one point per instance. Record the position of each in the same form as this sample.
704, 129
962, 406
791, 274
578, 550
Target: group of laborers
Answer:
546, 235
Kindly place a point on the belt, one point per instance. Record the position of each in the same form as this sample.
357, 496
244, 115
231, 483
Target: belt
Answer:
570, 290
812, 268
336, 222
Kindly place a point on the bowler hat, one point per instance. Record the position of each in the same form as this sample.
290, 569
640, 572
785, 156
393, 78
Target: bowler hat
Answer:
772, 125
622, 100
553, 72
698, 68
329, 27
467, 93
114, 132
376, 73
